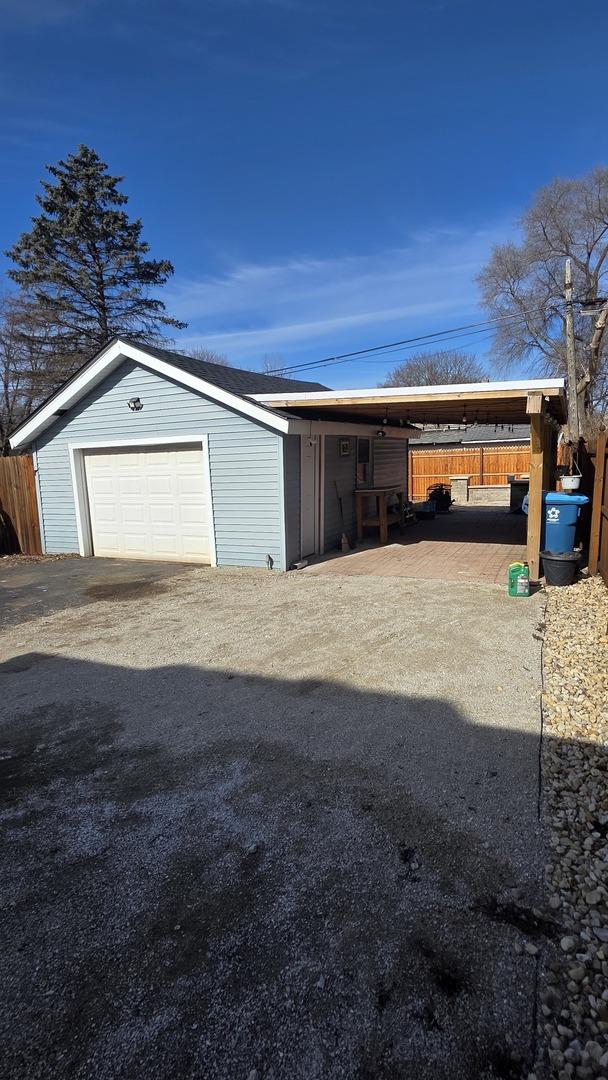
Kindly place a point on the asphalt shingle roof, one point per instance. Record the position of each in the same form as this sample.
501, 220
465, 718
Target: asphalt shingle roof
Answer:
235, 380
474, 433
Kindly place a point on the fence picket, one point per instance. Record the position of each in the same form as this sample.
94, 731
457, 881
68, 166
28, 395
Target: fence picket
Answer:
19, 503
483, 464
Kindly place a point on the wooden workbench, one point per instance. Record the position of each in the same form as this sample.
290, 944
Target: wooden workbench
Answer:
382, 518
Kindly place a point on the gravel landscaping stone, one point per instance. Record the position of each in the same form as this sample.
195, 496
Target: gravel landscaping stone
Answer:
573, 1018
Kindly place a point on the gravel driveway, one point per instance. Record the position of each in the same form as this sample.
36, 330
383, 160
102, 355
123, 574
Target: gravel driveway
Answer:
266, 826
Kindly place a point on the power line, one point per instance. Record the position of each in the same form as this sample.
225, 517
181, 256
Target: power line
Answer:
390, 351
341, 358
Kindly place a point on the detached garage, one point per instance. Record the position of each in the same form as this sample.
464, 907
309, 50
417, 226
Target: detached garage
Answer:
148, 454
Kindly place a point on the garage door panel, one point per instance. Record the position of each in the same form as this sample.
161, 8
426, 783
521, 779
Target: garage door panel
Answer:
149, 504
109, 542
189, 485
133, 542
131, 486
160, 485
133, 515
190, 457
161, 513
102, 485
159, 459
164, 545
195, 515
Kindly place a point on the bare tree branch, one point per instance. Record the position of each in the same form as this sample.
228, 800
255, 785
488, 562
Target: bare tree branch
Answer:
568, 218
437, 369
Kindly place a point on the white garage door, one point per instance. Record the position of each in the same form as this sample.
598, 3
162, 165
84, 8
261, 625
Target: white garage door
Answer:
149, 503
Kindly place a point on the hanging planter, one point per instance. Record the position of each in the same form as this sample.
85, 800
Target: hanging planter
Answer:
572, 483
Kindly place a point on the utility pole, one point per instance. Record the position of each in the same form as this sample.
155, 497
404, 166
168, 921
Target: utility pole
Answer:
573, 425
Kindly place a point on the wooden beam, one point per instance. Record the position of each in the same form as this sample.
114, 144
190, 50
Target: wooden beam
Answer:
535, 494
324, 402
549, 456
535, 404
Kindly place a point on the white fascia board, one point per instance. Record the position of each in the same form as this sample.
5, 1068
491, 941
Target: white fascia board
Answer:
492, 442
525, 386
93, 373
108, 361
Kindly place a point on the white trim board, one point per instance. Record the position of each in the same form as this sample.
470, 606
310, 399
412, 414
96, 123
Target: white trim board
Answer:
450, 389
346, 427
281, 450
209, 495
39, 501
76, 453
321, 519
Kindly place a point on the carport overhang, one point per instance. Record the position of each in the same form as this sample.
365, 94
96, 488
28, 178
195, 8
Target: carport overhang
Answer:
539, 402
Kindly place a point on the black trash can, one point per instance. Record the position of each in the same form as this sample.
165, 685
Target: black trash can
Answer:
560, 569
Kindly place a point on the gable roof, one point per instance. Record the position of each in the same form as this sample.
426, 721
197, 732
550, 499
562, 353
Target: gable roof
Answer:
237, 380
485, 434
215, 381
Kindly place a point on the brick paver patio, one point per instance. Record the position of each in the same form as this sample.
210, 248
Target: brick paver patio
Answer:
468, 544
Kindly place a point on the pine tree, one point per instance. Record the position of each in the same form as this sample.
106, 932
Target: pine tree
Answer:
84, 263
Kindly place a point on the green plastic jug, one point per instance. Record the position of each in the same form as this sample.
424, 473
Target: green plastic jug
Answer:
519, 579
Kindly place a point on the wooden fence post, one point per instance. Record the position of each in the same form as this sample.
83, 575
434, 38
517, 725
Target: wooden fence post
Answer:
535, 494
19, 502
597, 505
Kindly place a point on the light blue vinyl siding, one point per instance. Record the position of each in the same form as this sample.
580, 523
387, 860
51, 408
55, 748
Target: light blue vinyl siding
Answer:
291, 463
390, 462
342, 470
389, 457
245, 461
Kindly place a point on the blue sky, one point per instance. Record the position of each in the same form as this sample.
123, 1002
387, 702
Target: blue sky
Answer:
324, 175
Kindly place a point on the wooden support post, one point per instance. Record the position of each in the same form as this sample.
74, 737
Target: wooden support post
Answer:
359, 514
548, 458
383, 518
535, 495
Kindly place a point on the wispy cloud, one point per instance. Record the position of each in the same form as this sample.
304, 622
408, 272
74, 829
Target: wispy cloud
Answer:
33, 14
321, 306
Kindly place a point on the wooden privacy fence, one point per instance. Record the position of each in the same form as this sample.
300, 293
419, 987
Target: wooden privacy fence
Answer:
482, 464
19, 506
598, 539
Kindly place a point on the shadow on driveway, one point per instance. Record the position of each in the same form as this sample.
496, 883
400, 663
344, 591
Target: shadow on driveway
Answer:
207, 873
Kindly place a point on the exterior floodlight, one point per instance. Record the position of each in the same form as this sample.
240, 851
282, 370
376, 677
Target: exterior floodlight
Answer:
135, 404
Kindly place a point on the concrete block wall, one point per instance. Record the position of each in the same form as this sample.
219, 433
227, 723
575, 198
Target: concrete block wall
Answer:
489, 495
478, 495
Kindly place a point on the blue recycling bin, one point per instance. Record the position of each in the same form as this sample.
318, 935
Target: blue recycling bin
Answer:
560, 515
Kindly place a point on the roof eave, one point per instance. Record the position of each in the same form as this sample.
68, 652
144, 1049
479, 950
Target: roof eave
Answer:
106, 361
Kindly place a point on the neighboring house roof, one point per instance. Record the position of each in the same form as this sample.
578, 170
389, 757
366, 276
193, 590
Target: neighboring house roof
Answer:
237, 380
480, 434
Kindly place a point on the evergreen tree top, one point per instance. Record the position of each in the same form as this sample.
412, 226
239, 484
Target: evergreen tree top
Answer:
85, 260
